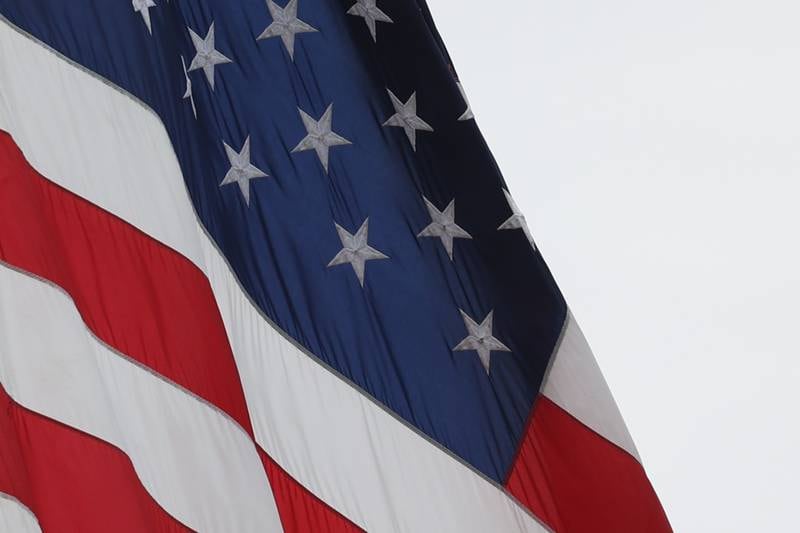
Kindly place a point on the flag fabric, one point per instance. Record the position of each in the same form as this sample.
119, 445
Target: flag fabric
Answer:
261, 273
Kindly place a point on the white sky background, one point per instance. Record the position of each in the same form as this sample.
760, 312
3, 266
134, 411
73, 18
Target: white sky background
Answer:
655, 148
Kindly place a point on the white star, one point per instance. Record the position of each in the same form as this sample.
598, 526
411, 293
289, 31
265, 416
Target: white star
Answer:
406, 117
480, 339
320, 136
355, 250
371, 13
467, 115
188, 94
443, 225
285, 25
241, 171
207, 55
143, 7
516, 220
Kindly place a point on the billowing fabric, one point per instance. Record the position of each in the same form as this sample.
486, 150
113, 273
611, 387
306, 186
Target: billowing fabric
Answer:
284, 284
393, 337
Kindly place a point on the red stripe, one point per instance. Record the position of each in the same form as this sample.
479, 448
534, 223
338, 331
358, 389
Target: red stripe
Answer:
578, 482
137, 295
72, 481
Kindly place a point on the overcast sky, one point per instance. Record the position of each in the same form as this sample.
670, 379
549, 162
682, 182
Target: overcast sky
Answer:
655, 148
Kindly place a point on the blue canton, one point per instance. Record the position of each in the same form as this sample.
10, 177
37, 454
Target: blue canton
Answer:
326, 158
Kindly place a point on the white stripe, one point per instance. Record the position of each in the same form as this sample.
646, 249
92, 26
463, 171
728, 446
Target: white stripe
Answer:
328, 436
195, 462
15, 517
53, 122
576, 384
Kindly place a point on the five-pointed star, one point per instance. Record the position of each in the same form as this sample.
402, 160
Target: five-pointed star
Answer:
517, 219
355, 250
143, 7
480, 339
467, 115
241, 171
188, 94
207, 56
320, 136
443, 225
285, 25
371, 13
406, 117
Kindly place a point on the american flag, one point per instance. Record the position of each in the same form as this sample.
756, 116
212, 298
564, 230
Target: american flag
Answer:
260, 272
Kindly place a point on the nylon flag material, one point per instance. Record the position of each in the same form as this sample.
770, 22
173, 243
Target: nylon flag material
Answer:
259, 272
